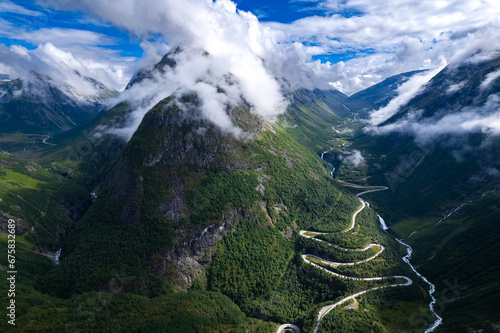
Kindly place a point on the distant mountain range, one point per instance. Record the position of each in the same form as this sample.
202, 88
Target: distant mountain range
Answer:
43, 106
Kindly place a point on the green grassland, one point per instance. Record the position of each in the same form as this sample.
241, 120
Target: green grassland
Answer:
44, 201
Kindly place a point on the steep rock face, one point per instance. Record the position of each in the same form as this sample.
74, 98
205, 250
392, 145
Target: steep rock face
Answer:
172, 143
192, 252
148, 73
168, 155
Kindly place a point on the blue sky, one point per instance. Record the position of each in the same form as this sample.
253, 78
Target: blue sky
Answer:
282, 11
346, 44
43, 17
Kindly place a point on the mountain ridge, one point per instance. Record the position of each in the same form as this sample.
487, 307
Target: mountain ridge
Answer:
39, 106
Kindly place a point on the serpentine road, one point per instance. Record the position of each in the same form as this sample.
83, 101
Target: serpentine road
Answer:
306, 257
312, 235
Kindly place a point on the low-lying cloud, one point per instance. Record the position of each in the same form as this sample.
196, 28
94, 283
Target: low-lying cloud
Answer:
207, 76
484, 119
490, 78
237, 45
384, 38
405, 92
354, 158
59, 68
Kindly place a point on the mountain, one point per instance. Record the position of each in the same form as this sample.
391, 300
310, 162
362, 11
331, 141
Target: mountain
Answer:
457, 88
377, 96
190, 227
181, 173
444, 187
45, 205
43, 106
148, 73
200, 228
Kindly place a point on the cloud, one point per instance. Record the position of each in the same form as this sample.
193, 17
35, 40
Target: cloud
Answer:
62, 69
70, 50
235, 41
484, 119
393, 37
81, 59
207, 76
9, 7
405, 92
455, 87
64, 37
491, 77
354, 158
386, 37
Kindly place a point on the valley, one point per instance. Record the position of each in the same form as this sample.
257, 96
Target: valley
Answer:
188, 226
327, 266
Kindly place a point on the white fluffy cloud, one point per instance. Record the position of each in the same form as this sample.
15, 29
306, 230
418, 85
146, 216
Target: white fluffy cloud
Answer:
195, 71
388, 37
397, 36
60, 51
484, 119
64, 69
235, 41
67, 50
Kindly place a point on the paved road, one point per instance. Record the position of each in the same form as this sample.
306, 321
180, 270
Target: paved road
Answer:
307, 258
282, 328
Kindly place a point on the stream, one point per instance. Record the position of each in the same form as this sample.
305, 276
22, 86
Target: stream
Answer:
432, 287
57, 257
333, 168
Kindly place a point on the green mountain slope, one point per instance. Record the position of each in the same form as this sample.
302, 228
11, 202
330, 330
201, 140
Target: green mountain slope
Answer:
45, 204
161, 214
